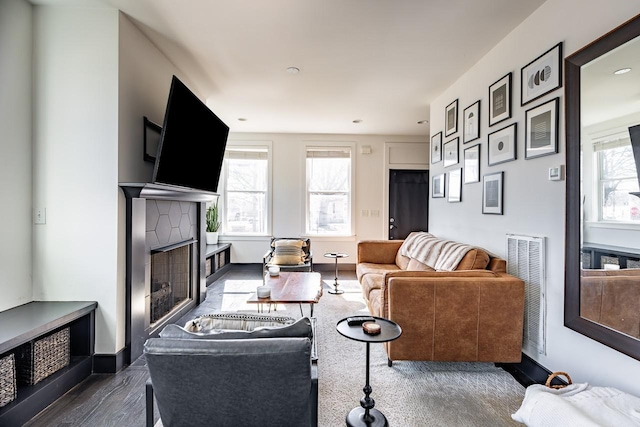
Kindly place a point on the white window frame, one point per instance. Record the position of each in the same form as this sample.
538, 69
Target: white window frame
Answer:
268, 145
328, 145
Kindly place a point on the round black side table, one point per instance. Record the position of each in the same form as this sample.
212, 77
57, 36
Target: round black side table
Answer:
336, 255
366, 416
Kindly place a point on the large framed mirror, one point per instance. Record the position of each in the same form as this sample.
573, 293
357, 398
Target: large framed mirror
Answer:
602, 276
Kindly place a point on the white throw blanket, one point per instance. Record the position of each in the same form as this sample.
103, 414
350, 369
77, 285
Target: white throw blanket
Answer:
578, 405
443, 255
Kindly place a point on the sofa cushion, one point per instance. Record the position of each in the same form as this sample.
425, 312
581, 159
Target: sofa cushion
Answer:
475, 259
370, 282
415, 265
402, 261
365, 268
288, 252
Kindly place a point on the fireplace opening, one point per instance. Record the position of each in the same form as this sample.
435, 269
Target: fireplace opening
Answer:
171, 280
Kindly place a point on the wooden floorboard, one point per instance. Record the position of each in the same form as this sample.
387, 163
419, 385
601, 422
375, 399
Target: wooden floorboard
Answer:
117, 400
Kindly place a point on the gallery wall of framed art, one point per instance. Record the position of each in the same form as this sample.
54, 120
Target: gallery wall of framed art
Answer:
535, 138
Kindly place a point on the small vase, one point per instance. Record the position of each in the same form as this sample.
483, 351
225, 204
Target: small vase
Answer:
212, 238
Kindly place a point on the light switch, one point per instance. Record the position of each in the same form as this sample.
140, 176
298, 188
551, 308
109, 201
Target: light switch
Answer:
40, 216
365, 212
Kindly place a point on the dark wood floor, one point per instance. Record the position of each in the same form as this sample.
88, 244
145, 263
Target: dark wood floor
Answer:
118, 400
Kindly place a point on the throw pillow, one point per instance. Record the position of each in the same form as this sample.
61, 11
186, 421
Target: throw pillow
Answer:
235, 321
300, 329
288, 252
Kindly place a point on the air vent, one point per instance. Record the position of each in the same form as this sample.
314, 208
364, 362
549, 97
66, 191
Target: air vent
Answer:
526, 260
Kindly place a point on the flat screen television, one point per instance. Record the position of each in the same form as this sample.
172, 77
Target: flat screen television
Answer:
192, 142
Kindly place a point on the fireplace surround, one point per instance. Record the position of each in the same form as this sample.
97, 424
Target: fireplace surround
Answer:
161, 219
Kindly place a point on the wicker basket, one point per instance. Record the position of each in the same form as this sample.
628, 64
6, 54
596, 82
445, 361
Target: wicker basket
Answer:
8, 390
38, 359
558, 374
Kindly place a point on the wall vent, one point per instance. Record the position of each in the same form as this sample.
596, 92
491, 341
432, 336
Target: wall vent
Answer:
526, 260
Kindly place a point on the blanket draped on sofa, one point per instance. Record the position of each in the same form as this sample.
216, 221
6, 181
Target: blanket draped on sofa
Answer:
442, 255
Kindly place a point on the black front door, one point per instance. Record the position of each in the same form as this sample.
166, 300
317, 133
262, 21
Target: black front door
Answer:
408, 202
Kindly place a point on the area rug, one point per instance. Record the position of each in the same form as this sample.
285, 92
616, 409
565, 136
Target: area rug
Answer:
409, 394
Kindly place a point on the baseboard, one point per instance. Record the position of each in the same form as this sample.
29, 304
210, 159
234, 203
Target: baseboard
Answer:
529, 372
108, 363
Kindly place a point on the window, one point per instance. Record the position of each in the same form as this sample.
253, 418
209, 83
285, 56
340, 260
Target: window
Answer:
328, 196
617, 177
246, 184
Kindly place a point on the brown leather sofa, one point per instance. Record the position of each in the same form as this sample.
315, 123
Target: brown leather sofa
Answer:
612, 298
474, 313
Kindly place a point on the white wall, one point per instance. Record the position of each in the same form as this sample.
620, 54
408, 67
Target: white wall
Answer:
288, 194
15, 146
76, 160
532, 204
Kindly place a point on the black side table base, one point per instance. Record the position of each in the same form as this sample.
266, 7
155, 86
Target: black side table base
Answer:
336, 291
355, 418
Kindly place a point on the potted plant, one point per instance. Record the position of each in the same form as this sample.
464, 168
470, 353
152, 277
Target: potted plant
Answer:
213, 224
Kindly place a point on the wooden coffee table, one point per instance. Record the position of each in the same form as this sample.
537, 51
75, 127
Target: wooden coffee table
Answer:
292, 287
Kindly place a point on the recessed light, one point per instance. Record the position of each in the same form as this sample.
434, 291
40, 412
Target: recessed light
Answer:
622, 71
423, 122
293, 70
242, 119
357, 121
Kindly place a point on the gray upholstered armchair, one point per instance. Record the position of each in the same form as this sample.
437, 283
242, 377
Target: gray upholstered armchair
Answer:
234, 378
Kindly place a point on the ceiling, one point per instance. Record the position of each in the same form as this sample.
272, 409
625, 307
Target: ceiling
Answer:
378, 61
606, 96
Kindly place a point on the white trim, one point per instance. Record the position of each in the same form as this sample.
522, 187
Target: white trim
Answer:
614, 225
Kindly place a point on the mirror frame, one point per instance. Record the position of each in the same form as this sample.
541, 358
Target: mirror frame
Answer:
609, 337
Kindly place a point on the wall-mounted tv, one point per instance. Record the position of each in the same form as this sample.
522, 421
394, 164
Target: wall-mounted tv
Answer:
192, 142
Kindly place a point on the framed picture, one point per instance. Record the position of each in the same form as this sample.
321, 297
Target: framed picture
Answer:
151, 138
471, 122
438, 186
541, 130
472, 164
450, 152
451, 118
500, 100
542, 75
436, 148
455, 186
492, 193
502, 145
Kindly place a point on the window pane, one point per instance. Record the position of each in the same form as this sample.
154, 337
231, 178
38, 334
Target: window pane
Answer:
617, 163
618, 177
617, 203
245, 212
329, 174
247, 175
329, 214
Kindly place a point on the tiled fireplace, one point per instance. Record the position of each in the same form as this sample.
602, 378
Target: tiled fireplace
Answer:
165, 259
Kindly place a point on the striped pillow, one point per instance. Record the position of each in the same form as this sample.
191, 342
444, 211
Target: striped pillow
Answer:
288, 252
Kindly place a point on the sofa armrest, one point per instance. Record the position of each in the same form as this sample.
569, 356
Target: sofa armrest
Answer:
439, 274
378, 251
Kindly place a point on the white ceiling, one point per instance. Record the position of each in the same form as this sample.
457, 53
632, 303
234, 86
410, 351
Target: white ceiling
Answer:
606, 96
379, 61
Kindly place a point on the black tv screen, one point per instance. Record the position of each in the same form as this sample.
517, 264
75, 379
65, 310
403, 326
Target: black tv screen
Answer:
192, 142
